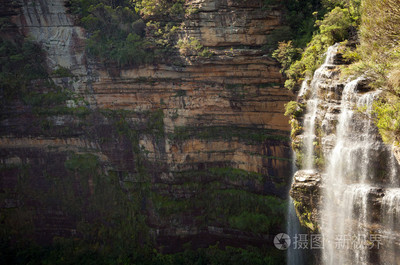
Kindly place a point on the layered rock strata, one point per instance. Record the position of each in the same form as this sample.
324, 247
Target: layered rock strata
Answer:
191, 140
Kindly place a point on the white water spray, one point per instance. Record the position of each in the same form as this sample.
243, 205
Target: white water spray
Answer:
358, 170
317, 83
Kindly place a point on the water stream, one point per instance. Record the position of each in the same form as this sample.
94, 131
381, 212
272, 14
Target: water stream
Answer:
360, 176
317, 83
293, 228
294, 256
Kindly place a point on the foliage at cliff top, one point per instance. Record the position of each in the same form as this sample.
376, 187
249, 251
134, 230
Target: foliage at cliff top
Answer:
388, 119
379, 51
376, 57
298, 22
334, 26
123, 32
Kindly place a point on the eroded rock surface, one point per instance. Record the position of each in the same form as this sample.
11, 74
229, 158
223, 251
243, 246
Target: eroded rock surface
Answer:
203, 136
306, 193
352, 182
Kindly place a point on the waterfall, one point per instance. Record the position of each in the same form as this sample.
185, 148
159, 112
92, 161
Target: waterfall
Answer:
391, 209
293, 227
344, 164
394, 172
360, 176
351, 175
391, 221
294, 256
320, 75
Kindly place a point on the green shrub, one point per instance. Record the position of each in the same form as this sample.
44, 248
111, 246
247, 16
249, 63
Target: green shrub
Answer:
62, 72
394, 80
20, 63
82, 163
116, 35
387, 120
332, 28
293, 109
189, 45
380, 29
119, 35
152, 8
349, 53
378, 61
254, 222
379, 48
286, 54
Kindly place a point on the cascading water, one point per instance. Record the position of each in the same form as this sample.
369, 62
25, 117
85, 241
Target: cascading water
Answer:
360, 176
391, 221
341, 163
294, 256
312, 106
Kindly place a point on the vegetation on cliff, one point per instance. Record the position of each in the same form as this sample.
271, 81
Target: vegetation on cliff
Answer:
372, 27
111, 211
116, 32
379, 51
131, 33
339, 21
112, 208
20, 62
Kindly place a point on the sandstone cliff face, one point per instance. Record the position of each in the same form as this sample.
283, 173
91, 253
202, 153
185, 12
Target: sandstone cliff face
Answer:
208, 129
48, 23
306, 190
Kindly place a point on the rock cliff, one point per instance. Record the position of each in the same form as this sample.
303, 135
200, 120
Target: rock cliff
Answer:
193, 145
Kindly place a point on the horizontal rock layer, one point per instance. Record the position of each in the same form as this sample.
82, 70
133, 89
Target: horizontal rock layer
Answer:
205, 129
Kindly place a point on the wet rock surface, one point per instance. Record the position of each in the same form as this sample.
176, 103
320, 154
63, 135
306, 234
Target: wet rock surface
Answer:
306, 193
352, 179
